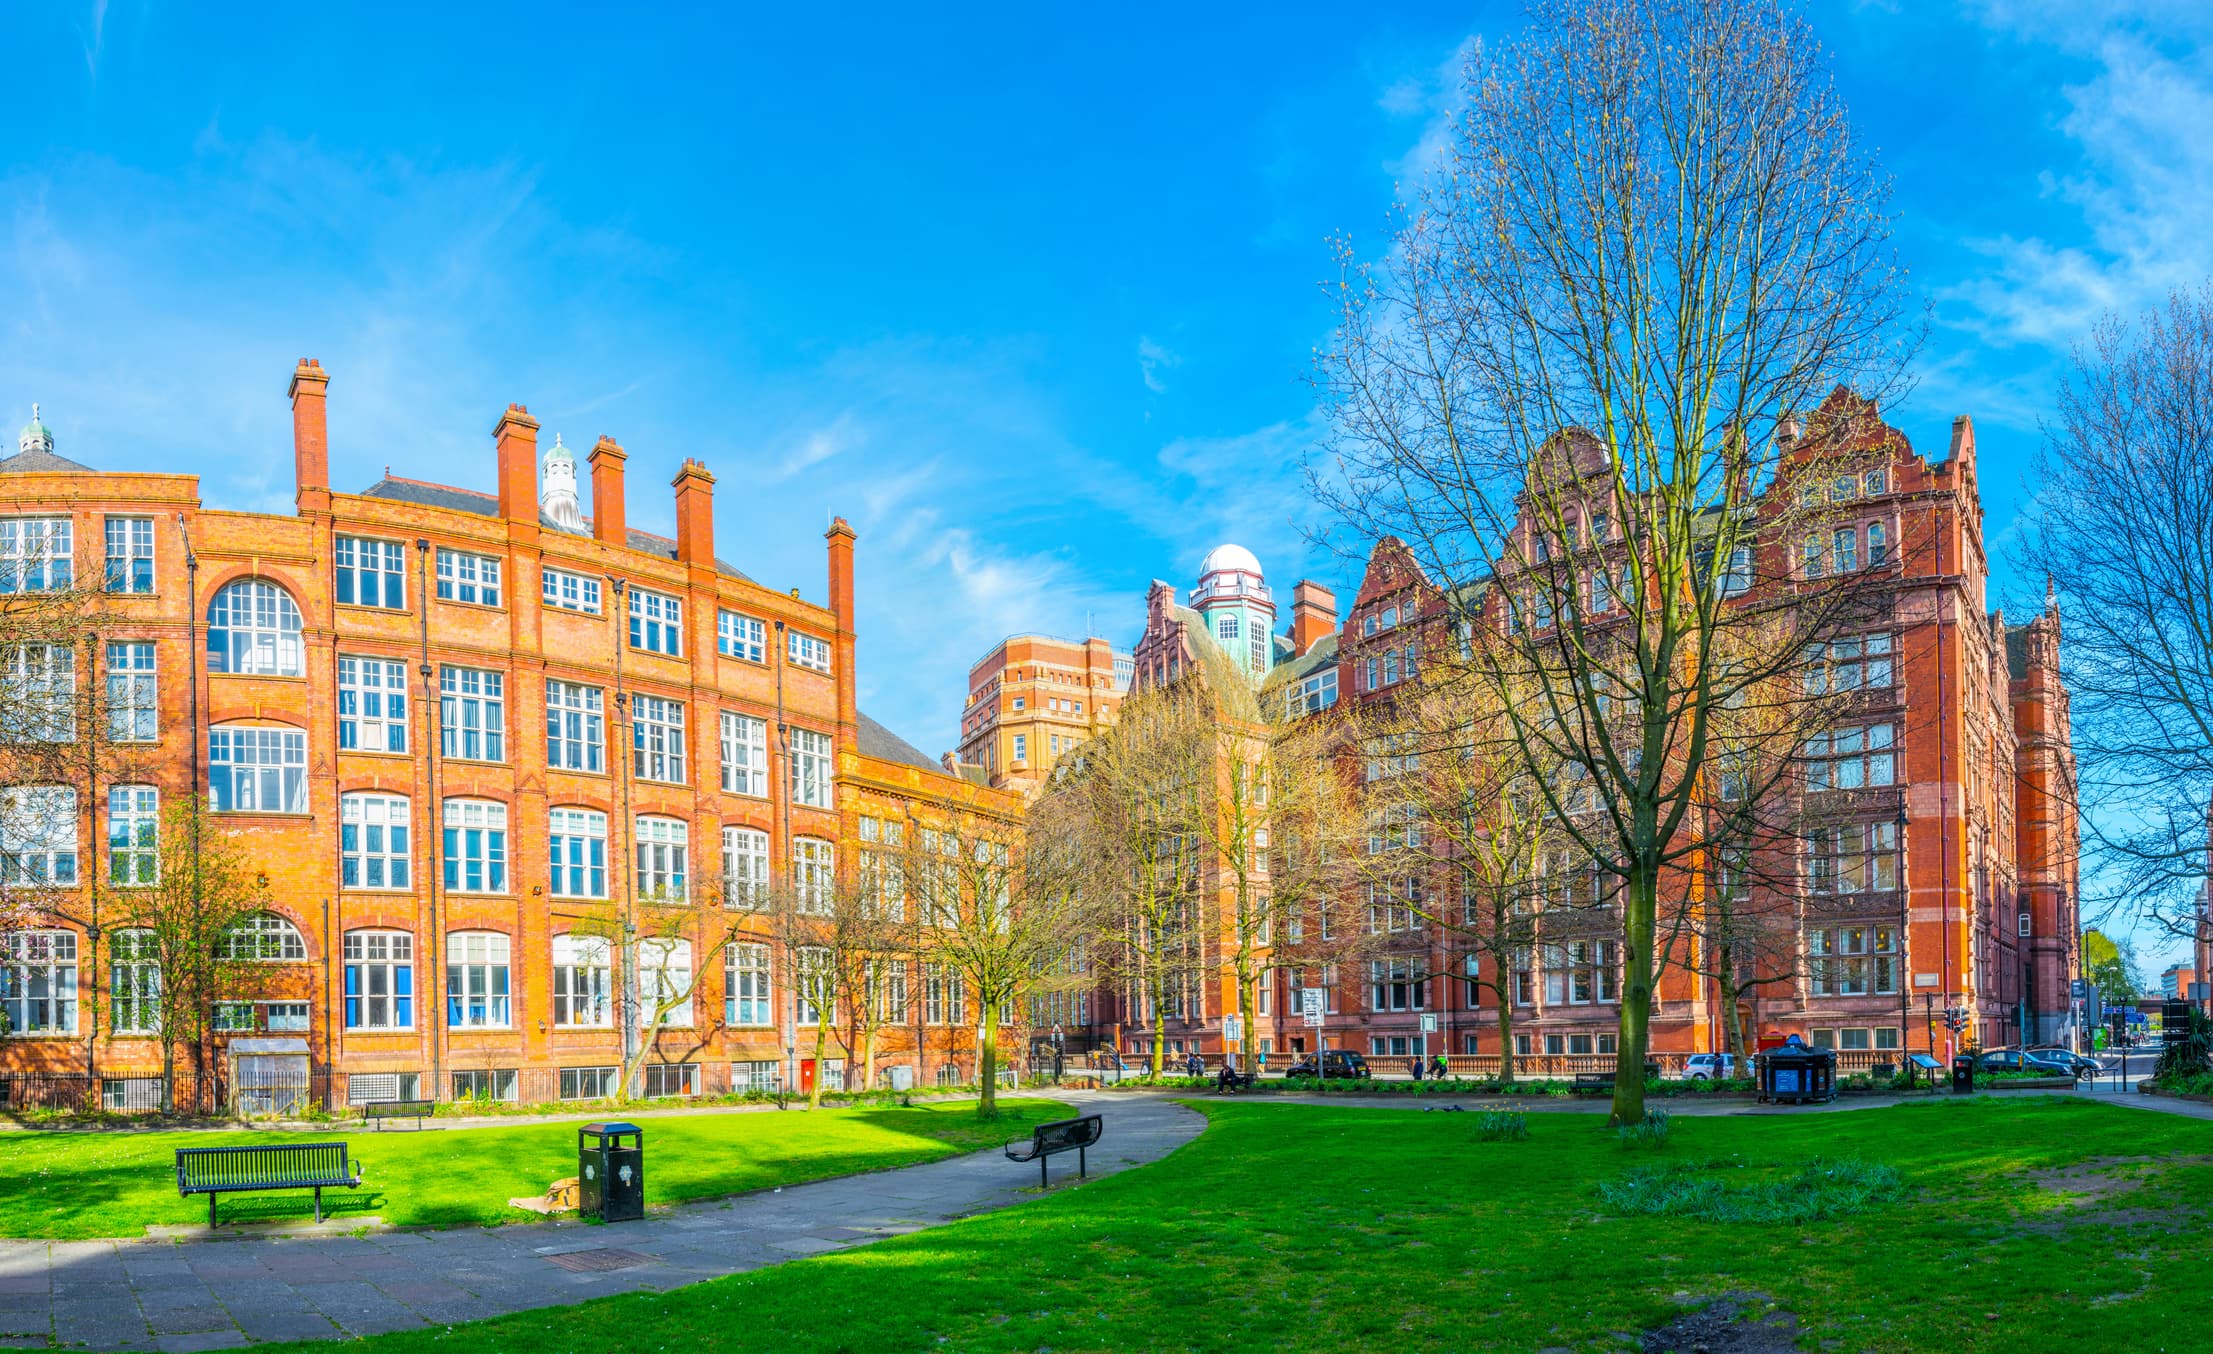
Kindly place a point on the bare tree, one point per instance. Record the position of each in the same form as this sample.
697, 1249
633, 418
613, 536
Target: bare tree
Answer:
1002, 911
838, 932
181, 944
1584, 376
1131, 807
2122, 526
667, 944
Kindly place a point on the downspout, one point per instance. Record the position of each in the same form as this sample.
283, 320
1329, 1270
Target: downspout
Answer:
199, 782
430, 993
624, 865
779, 805
92, 876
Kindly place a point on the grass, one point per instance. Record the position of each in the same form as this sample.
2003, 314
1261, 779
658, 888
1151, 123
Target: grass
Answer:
1818, 1191
70, 1185
1295, 1228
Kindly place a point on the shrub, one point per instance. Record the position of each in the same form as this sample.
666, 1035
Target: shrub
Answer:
1502, 1126
1650, 1131
1818, 1191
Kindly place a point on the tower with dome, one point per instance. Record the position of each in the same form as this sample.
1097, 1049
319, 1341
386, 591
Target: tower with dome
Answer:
1233, 610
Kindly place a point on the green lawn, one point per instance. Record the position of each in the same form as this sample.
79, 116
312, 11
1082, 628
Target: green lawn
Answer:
1300, 1228
72, 1184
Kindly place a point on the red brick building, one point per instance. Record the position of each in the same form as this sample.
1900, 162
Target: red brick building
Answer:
1961, 820
449, 723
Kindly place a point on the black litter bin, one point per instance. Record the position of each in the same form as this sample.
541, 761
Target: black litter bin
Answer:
1963, 1073
610, 1172
1795, 1074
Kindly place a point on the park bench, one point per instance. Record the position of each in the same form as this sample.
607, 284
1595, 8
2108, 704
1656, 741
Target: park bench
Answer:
1231, 1080
1592, 1083
240, 1170
1062, 1135
377, 1111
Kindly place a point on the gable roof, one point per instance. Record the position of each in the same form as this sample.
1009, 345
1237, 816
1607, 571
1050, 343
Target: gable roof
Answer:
487, 505
41, 462
885, 746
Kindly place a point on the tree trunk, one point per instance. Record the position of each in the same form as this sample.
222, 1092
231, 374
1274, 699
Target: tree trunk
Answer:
1505, 1033
822, 1046
1160, 1036
1641, 903
868, 1059
987, 1063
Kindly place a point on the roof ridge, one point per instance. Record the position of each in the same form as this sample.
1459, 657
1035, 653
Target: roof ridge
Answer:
391, 478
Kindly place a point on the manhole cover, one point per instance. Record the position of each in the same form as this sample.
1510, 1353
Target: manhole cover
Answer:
586, 1262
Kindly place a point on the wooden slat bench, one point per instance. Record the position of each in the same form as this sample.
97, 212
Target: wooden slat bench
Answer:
377, 1111
240, 1170
1062, 1135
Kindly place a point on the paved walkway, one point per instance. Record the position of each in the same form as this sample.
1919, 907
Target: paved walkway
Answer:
218, 1292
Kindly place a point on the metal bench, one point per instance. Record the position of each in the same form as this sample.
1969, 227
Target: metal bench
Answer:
377, 1111
1592, 1083
1062, 1135
240, 1170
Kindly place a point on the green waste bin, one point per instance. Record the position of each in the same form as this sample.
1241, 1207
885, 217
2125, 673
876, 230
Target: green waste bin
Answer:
1963, 1073
610, 1172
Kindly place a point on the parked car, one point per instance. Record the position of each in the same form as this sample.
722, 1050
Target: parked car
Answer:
2014, 1060
1712, 1066
1336, 1063
2083, 1064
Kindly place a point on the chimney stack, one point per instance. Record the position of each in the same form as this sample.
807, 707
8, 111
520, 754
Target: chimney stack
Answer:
310, 429
840, 538
695, 514
1313, 615
516, 436
608, 525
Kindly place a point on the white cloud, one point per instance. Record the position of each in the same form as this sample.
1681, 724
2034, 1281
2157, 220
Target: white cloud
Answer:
1437, 96
2142, 191
841, 434
1152, 359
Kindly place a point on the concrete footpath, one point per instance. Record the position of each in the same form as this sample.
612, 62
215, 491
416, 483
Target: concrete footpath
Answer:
221, 1291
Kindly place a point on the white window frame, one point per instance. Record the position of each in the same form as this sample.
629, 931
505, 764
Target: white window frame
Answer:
807, 651
566, 590
134, 692
583, 981
479, 981
1855, 757
38, 983
813, 768
377, 958
259, 628
663, 849
749, 994
656, 622
372, 704
576, 727
577, 844
657, 739
473, 848
813, 873
37, 554
744, 755
740, 636
472, 714
41, 685
369, 572
664, 971
265, 938
464, 576
376, 844
130, 556
745, 868
134, 836
38, 836
134, 982
272, 779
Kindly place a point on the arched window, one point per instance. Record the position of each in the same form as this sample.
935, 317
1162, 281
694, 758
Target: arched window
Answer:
1226, 626
476, 980
380, 980
661, 846
134, 983
476, 846
665, 980
373, 849
581, 982
253, 628
1878, 544
579, 840
265, 936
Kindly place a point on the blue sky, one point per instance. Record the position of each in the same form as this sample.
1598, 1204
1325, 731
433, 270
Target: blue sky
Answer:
1031, 300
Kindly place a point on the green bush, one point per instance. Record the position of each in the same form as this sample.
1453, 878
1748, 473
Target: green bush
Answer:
1818, 1191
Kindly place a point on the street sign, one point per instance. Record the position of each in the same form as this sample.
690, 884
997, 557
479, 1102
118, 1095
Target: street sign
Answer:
2080, 989
1233, 1028
1429, 1024
1313, 1021
1310, 1004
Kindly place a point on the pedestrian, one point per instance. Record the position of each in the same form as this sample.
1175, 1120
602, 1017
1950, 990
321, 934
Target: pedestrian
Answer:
1414, 1066
1195, 1064
1437, 1068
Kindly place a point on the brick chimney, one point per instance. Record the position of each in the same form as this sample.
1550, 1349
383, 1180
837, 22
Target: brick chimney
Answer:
695, 514
516, 435
310, 392
840, 538
1313, 615
607, 519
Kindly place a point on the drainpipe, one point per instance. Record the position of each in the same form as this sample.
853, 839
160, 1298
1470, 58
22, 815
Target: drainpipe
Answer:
430, 993
199, 781
624, 864
92, 876
780, 807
